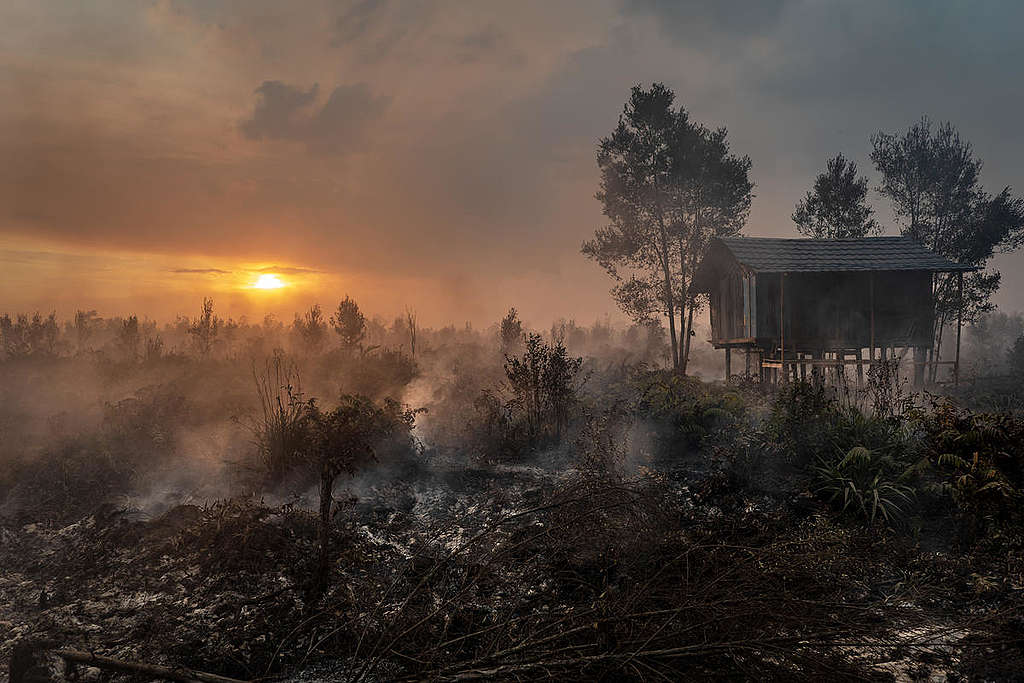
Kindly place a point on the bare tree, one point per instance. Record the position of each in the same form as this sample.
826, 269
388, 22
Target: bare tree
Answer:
410, 323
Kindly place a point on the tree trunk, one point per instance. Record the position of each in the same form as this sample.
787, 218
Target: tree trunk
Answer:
689, 333
666, 272
671, 312
326, 499
684, 330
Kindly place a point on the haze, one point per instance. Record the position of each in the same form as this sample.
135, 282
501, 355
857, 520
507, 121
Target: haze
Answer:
436, 155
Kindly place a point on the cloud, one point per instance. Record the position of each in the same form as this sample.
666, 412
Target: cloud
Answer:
710, 20
287, 270
278, 110
482, 119
488, 44
202, 271
284, 112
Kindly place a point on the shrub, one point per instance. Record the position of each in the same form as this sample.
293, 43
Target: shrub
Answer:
870, 485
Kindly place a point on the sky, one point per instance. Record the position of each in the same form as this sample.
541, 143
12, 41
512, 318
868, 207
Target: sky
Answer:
438, 156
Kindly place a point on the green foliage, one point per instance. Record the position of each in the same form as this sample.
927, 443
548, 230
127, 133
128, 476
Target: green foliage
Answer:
692, 410
979, 461
867, 484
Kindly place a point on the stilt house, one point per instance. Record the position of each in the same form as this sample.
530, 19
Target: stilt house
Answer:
798, 304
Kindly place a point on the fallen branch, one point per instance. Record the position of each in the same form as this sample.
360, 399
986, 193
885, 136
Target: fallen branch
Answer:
177, 673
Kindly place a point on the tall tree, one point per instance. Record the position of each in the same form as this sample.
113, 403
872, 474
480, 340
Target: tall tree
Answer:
668, 185
635, 248
714, 201
836, 208
932, 179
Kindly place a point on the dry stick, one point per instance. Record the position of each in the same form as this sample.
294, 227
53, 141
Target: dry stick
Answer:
151, 670
465, 544
492, 555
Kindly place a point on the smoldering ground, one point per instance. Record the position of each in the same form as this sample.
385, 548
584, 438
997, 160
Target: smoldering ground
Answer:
146, 526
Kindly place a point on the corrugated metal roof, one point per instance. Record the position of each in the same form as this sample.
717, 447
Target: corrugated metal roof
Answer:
771, 255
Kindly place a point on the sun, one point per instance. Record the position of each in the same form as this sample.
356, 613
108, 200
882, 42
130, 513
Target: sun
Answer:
268, 281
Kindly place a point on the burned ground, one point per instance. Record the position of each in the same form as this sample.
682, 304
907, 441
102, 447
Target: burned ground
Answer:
676, 529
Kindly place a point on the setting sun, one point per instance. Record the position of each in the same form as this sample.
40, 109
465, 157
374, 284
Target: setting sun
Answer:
268, 281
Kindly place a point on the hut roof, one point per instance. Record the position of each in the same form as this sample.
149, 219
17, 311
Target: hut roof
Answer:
772, 255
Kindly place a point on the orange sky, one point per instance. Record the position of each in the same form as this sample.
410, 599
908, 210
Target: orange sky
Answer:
438, 155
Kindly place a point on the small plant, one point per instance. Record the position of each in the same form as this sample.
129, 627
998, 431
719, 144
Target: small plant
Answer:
278, 430
543, 382
867, 484
342, 440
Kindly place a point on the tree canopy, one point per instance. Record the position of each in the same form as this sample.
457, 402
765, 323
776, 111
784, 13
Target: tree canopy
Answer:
668, 185
933, 180
836, 207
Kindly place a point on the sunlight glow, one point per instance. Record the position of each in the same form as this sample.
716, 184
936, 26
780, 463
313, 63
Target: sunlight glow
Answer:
268, 281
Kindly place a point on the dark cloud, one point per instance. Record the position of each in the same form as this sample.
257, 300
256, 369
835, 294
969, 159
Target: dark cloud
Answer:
488, 44
279, 112
707, 21
285, 112
376, 29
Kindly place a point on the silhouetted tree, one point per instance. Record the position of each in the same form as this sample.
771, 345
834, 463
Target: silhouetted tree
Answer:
129, 338
836, 208
1015, 357
349, 323
311, 329
204, 329
410, 324
932, 179
668, 185
85, 323
510, 332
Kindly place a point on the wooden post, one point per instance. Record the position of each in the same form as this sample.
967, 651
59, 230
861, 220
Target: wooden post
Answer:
782, 325
728, 364
871, 304
746, 360
959, 324
920, 360
860, 368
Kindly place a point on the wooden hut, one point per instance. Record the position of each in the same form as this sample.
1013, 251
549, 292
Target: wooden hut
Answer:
799, 304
